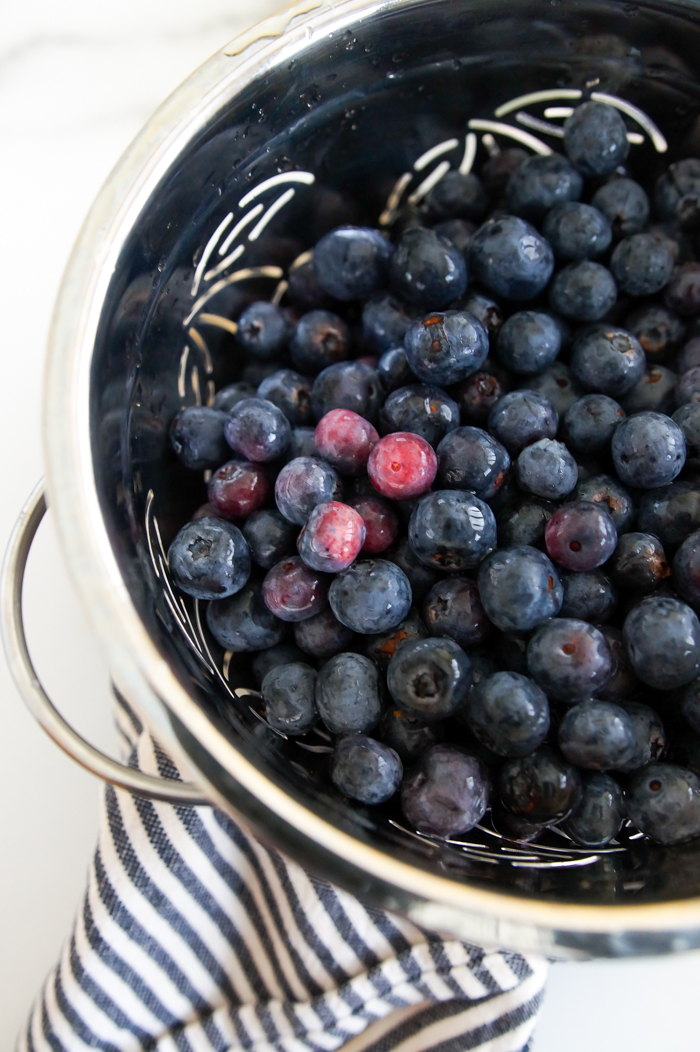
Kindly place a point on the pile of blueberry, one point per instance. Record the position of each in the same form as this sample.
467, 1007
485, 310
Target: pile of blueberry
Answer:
457, 521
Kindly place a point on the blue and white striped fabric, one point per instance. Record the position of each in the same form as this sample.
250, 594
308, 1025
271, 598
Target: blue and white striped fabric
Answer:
193, 937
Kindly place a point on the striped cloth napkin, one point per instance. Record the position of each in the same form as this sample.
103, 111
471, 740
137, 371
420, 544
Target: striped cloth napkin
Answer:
193, 937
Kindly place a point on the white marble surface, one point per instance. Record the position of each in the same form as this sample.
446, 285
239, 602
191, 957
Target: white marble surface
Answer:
77, 80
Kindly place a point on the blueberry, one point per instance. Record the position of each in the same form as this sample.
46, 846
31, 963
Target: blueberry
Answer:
351, 262
459, 231
590, 423
540, 183
595, 139
600, 812
451, 530
262, 330
522, 417
547, 469
625, 204
302, 484
382, 647
427, 270
366, 770
515, 827
519, 588
197, 436
526, 523
304, 290
508, 713
688, 387
658, 330
570, 659
653, 393
429, 678
371, 596
242, 623
581, 536
686, 569
529, 341
499, 168
445, 348
345, 439
291, 393
423, 410
347, 694
322, 635
511, 258
421, 577
542, 787
237, 489
470, 458
402, 466
257, 430
689, 356
583, 291
347, 385
457, 196
663, 802
677, 192
688, 420
597, 735
301, 444
292, 591
446, 793
209, 559
408, 737
270, 537
477, 396
231, 395
385, 321
320, 339
588, 596
682, 293
393, 369
577, 231
622, 683
607, 360
288, 696
266, 660
662, 637
650, 737
641, 265
381, 523
453, 608
557, 385
485, 309
690, 704
332, 537
607, 491
648, 450
639, 563
671, 513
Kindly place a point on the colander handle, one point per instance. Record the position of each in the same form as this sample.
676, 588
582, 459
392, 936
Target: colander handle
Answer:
37, 701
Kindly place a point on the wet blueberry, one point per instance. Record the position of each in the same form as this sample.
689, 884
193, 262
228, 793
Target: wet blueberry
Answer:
600, 812
237, 489
291, 393
288, 696
583, 291
257, 430
641, 265
197, 436
444, 348
540, 183
347, 385
625, 204
511, 258
320, 339
671, 513
457, 196
485, 309
588, 596
526, 523
381, 523
371, 596
402, 466
452, 530
366, 770
242, 623
427, 271
581, 536
421, 577
262, 330
547, 469
351, 262
385, 320
648, 450
470, 458
508, 713
332, 537
347, 694
658, 330
650, 737
345, 440
663, 802
542, 787
302, 484
408, 737
662, 637
653, 393
529, 341
446, 793
607, 491
570, 659
322, 635
231, 395
639, 563
382, 647
590, 423
521, 418
519, 588
424, 410
607, 360
595, 139
429, 678
477, 396
577, 231
209, 559
597, 735
293, 592
270, 537
393, 369
301, 444
453, 608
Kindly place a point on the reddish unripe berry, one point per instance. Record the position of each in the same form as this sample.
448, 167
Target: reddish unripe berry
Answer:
237, 489
580, 536
332, 538
402, 466
381, 523
292, 591
345, 439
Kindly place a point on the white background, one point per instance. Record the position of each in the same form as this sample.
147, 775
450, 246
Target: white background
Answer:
78, 78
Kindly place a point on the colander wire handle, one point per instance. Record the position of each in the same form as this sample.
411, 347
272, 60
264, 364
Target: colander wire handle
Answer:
39, 704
